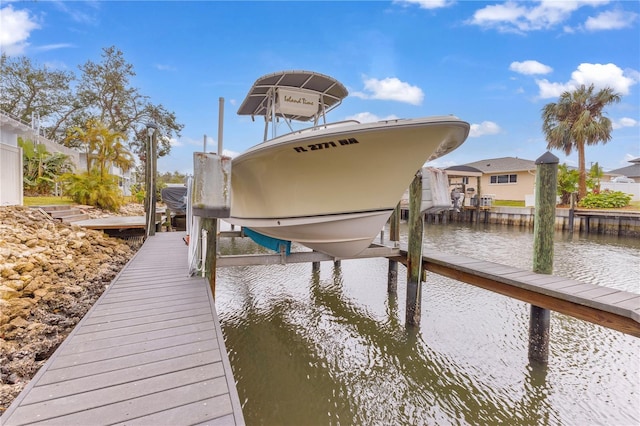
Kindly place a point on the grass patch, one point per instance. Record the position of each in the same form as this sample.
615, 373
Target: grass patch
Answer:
47, 201
507, 203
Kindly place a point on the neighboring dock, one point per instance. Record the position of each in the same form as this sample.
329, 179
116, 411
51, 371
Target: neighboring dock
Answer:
591, 221
150, 351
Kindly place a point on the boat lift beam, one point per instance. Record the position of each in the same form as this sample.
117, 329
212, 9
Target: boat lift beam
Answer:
301, 257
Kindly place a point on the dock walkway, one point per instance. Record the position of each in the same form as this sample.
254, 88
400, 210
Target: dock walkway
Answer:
608, 307
150, 351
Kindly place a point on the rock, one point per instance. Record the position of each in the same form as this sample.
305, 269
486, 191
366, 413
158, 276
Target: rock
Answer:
50, 276
19, 322
7, 293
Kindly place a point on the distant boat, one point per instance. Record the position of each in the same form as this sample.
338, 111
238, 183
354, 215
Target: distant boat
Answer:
330, 187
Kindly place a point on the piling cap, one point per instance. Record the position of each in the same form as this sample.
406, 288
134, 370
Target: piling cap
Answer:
547, 158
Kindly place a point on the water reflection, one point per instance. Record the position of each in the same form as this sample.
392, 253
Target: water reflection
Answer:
331, 347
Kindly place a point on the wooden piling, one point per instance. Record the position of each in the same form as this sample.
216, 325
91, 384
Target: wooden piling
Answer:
414, 257
147, 186
210, 225
543, 233
154, 168
394, 235
572, 211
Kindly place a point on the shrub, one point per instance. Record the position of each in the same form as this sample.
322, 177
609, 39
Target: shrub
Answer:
605, 200
137, 193
94, 190
567, 183
41, 169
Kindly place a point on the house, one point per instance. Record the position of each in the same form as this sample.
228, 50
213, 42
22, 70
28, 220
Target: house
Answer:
11, 179
632, 171
506, 178
625, 179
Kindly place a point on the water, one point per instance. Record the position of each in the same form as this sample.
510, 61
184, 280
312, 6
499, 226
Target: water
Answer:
332, 347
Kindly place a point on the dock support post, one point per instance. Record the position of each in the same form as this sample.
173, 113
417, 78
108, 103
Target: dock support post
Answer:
150, 180
394, 235
414, 254
543, 232
211, 226
572, 208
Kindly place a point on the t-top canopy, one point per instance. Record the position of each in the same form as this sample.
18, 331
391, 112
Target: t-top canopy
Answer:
263, 96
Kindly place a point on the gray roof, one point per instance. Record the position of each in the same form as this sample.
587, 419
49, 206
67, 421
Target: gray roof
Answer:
504, 164
632, 171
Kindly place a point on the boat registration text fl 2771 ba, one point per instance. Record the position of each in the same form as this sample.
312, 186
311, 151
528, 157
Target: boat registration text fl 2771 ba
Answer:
330, 187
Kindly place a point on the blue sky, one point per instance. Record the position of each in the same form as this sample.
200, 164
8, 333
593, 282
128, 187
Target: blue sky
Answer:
493, 64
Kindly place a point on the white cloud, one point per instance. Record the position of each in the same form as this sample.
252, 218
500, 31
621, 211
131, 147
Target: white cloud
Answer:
230, 153
367, 117
624, 122
48, 47
88, 16
15, 29
600, 75
162, 67
628, 158
530, 67
391, 89
426, 4
175, 142
552, 90
610, 20
484, 128
519, 17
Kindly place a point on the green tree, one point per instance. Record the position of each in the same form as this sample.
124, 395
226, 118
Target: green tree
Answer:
41, 169
27, 89
103, 147
105, 89
595, 176
102, 92
171, 177
567, 183
577, 120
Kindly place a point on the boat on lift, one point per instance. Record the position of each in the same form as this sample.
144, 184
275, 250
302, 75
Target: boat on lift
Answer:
332, 186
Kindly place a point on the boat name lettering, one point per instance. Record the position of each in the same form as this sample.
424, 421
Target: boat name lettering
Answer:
293, 100
325, 145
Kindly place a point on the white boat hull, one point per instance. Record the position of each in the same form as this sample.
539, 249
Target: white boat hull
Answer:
333, 188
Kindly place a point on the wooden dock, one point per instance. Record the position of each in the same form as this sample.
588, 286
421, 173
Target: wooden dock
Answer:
608, 307
150, 351
113, 222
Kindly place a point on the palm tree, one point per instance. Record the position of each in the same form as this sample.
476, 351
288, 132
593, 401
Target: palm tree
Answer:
103, 147
577, 120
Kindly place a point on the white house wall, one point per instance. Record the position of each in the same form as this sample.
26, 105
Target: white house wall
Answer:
632, 189
10, 175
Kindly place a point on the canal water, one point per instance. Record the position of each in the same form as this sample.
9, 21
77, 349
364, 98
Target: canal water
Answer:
331, 348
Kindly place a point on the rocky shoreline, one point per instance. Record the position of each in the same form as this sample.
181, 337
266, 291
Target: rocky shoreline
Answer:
50, 275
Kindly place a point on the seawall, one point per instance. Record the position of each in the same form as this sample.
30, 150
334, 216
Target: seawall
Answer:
609, 222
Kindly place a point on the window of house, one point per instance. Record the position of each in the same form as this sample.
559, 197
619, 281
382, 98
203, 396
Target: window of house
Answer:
504, 179
465, 180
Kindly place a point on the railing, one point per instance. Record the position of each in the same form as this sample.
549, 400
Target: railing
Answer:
39, 131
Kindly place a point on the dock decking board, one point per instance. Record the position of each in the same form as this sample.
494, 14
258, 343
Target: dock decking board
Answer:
150, 351
612, 308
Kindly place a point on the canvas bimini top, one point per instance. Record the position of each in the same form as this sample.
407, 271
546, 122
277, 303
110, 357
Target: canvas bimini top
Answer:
293, 95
